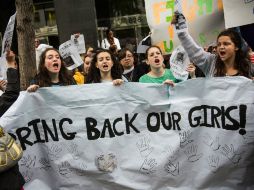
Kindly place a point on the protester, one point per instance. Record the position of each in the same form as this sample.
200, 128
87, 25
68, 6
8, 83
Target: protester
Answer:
110, 42
128, 61
86, 66
3, 84
157, 74
90, 51
79, 74
52, 71
105, 68
251, 55
229, 61
39, 48
11, 178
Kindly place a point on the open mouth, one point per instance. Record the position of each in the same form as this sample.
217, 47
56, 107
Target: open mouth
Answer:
55, 65
222, 53
156, 60
105, 66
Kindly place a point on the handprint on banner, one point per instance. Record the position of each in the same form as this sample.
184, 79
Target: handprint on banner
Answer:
173, 154
64, 169
191, 153
45, 164
54, 152
230, 153
213, 162
28, 161
80, 170
148, 166
213, 143
73, 149
172, 168
144, 146
185, 138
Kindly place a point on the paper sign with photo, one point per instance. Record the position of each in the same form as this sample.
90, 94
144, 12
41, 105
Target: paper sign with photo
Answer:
79, 42
70, 55
179, 62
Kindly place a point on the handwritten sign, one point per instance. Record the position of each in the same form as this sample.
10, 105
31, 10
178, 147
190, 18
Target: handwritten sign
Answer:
205, 21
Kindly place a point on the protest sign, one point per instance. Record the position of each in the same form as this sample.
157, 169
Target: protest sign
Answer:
198, 135
238, 12
6, 45
79, 42
7, 39
204, 18
179, 62
70, 55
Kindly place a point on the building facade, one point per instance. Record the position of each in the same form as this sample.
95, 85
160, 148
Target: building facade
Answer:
56, 20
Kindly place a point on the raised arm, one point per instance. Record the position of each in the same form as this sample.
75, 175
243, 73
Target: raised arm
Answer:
13, 85
204, 60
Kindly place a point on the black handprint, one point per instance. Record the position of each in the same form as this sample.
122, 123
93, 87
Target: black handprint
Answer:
144, 146
185, 138
172, 168
45, 164
148, 166
64, 169
191, 153
230, 153
54, 152
28, 161
213, 162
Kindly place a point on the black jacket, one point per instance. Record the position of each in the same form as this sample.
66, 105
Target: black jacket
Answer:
10, 179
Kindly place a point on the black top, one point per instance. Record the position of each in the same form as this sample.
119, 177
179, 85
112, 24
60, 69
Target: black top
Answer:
10, 179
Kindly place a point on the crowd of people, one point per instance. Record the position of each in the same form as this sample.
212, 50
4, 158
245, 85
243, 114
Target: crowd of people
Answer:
111, 63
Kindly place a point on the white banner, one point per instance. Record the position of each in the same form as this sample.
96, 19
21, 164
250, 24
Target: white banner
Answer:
137, 136
238, 12
205, 20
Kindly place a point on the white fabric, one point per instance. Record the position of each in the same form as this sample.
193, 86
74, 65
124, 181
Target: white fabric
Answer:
105, 44
159, 140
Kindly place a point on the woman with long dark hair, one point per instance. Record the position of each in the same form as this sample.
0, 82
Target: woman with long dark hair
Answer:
229, 60
105, 68
51, 72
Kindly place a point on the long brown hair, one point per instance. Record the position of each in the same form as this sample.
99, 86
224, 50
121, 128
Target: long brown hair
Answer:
94, 75
43, 78
241, 62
